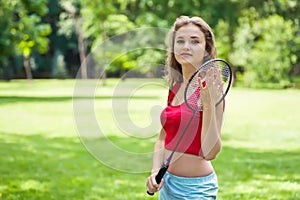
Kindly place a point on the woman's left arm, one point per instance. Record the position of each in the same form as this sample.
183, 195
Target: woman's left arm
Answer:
211, 143
211, 92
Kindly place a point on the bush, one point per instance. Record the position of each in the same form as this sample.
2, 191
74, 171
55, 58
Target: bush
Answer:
262, 48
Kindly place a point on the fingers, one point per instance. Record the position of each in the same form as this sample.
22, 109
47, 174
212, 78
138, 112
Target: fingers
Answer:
161, 184
151, 184
211, 75
211, 87
220, 75
207, 78
202, 82
213, 78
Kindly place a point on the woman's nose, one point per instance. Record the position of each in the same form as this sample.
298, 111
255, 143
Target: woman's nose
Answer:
186, 45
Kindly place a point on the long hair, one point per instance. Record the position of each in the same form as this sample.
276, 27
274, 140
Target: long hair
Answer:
174, 69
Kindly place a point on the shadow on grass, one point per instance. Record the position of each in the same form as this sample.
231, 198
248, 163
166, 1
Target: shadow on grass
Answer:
28, 99
35, 167
253, 174
38, 167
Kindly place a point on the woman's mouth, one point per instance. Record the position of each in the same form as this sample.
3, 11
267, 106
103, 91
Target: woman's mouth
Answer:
186, 54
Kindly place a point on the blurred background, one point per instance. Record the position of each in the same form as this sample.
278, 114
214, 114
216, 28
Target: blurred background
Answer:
43, 44
51, 38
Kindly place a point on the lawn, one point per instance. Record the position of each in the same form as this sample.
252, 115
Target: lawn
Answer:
54, 146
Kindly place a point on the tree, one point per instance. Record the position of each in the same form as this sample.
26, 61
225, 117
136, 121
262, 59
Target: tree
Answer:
30, 30
71, 21
8, 36
109, 23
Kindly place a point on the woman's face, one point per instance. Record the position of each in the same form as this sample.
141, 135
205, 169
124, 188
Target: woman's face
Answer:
189, 46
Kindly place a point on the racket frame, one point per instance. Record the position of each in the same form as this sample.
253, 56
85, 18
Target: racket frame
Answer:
201, 68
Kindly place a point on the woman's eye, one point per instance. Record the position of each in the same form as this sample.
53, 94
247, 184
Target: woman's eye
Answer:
195, 42
180, 41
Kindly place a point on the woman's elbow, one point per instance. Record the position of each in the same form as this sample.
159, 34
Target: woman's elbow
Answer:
214, 152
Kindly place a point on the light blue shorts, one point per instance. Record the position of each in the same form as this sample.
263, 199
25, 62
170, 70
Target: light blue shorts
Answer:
176, 187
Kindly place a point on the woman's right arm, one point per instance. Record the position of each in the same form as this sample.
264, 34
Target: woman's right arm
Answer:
157, 162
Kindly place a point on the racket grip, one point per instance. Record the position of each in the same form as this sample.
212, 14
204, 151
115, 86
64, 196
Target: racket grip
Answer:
161, 173
159, 176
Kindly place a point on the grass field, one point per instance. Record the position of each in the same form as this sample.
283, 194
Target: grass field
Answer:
43, 157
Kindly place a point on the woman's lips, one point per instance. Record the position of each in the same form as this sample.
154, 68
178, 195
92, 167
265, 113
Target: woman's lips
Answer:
186, 54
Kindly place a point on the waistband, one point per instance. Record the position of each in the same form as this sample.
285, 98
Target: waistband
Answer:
199, 179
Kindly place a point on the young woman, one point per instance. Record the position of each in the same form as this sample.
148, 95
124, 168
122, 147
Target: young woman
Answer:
190, 174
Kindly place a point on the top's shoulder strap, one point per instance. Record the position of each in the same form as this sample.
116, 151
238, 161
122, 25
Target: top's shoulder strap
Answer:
172, 91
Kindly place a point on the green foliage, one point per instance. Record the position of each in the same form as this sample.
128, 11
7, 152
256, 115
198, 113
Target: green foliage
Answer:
39, 7
127, 51
117, 24
150, 19
94, 15
222, 37
23, 29
7, 33
241, 29
29, 28
261, 46
70, 21
33, 35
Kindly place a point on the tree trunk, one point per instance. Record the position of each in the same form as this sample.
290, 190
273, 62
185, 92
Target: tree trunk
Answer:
27, 68
82, 52
103, 74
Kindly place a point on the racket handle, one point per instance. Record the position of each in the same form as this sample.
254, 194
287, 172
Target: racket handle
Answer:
161, 173
159, 176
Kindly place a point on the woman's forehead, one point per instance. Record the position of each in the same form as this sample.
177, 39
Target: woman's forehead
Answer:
189, 30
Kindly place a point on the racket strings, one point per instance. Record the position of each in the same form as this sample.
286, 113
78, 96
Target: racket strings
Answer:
192, 95
226, 73
193, 98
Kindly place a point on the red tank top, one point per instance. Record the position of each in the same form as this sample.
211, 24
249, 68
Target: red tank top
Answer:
174, 120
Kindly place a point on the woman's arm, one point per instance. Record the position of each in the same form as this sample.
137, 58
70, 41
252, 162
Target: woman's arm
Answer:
211, 143
158, 153
211, 92
157, 162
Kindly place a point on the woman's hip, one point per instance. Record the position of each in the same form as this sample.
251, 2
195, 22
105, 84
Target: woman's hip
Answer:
176, 187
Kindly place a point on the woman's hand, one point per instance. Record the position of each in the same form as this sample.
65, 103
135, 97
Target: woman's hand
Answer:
151, 184
210, 88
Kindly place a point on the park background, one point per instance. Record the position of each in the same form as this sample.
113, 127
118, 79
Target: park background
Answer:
43, 48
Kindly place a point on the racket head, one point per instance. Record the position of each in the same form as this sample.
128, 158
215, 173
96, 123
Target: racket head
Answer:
192, 90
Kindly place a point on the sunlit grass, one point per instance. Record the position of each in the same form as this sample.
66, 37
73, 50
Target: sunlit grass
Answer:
42, 156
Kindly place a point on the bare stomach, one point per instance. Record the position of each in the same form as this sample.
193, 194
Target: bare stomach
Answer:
187, 165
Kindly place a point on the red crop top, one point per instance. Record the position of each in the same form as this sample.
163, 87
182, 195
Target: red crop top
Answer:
174, 119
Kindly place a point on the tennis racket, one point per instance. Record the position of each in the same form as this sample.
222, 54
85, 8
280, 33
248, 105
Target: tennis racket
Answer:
222, 70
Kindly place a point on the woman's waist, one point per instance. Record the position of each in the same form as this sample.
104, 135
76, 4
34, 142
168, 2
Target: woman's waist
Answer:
188, 165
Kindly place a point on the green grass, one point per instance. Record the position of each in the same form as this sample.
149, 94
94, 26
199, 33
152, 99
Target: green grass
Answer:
43, 157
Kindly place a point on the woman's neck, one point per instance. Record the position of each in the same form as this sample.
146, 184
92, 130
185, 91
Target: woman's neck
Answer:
188, 71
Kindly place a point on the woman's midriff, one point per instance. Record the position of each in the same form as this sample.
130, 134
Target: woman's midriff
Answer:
187, 165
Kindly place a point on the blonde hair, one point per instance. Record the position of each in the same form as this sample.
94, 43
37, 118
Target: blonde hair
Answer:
174, 69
